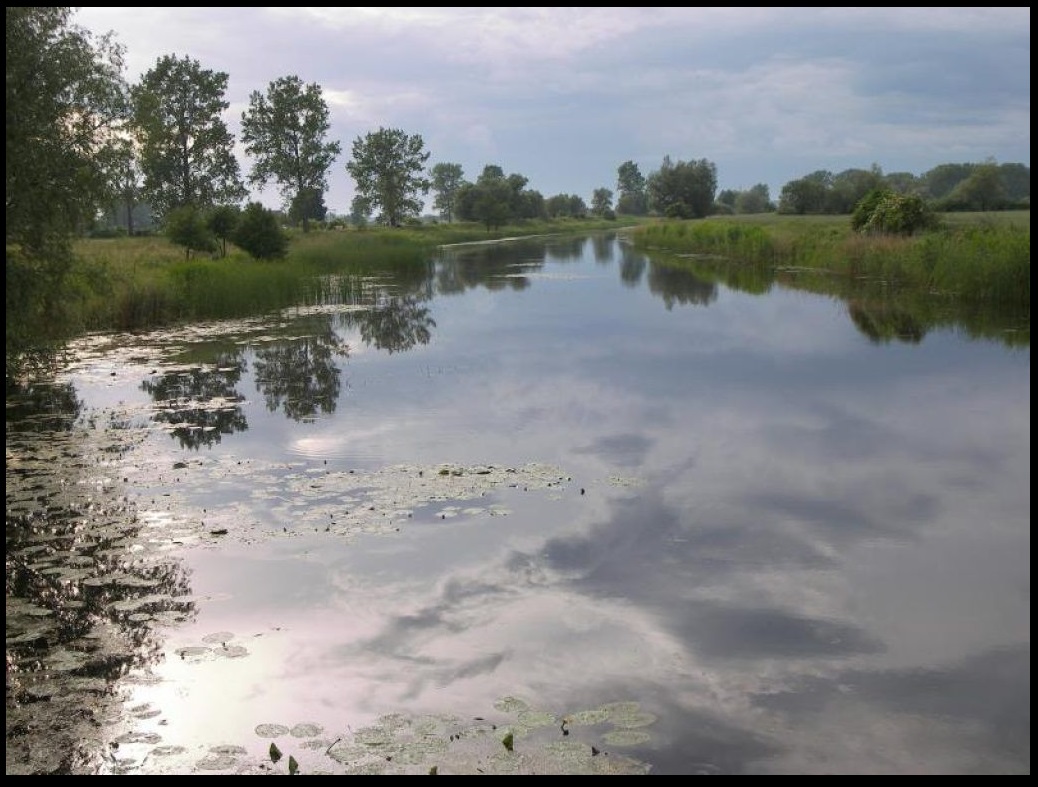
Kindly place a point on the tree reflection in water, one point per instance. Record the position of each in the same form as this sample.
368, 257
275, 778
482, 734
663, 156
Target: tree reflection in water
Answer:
86, 587
299, 375
201, 404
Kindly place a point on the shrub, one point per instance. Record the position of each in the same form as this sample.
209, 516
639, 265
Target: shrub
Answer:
886, 212
185, 226
259, 233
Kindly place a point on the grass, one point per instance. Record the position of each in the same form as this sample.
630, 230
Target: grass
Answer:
984, 257
972, 275
979, 260
142, 282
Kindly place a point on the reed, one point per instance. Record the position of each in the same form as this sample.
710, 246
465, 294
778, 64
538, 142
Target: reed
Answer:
144, 282
983, 259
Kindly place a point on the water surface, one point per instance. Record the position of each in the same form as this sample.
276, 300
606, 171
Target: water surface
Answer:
640, 521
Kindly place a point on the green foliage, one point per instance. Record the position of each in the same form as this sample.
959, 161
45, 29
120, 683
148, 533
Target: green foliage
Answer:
494, 199
601, 202
683, 190
565, 206
982, 190
630, 186
806, 195
275, 752
65, 101
948, 187
222, 221
259, 234
388, 169
447, 179
754, 200
847, 188
866, 207
882, 211
187, 153
308, 205
285, 131
186, 226
982, 267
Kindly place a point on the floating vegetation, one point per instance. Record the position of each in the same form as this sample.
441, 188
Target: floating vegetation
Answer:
271, 730
442, 744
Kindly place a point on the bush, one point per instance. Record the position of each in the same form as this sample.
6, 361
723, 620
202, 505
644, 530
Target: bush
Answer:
886, 212
259, 234
185, 226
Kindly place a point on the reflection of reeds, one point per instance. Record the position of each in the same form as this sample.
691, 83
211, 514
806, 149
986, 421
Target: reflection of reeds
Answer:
980, 261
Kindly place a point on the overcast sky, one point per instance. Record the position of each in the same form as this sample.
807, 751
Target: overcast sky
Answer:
564, 96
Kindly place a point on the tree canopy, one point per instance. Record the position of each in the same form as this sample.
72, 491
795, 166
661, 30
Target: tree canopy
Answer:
66, 102
684, 189
285, 132
630, 186
388, 167
447, 178
187, 153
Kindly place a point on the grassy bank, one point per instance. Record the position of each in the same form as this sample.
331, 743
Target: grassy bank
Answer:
135, 283
975, 257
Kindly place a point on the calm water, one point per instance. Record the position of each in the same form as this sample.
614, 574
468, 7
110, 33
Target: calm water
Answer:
642, 522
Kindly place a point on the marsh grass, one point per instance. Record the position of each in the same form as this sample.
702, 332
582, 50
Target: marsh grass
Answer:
143, 282
137, 283
972, 257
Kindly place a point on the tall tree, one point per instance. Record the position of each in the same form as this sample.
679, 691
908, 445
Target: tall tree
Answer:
601, 201
488, 200
683, 190
754, 200
388, 167
285, 131
630, 187
187, 153
446, 180
66, 99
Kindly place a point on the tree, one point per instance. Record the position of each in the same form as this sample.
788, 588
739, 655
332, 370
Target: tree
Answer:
488, 200
754, 200
566, 206
602, 202
222, 221
982, 190
66, 100
683, 190
850, 186
360, 211
259, 233
388, 167
307, 205
285, 131
187, 153
807, 194
186, 226
126, 179
447, 178
630, 186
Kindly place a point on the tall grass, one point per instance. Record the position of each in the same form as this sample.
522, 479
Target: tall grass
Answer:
136, 283
984, 260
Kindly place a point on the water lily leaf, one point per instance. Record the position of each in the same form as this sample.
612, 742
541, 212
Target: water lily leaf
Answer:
271, 730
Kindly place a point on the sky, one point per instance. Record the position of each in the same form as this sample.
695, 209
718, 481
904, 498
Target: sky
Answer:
564, 96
